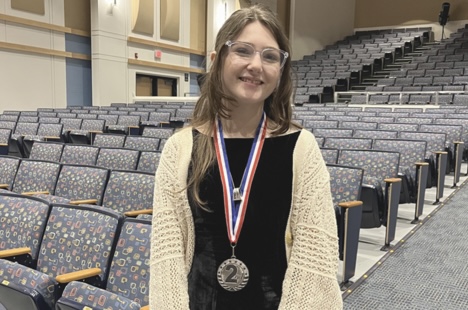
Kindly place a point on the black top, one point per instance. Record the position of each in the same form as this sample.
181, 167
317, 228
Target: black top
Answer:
261, 244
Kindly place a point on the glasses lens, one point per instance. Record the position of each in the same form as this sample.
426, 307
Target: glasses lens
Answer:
272, 56
242, 50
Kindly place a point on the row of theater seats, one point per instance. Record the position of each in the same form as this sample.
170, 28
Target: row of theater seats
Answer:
71, 257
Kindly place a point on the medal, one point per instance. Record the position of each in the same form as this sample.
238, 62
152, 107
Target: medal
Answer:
233, 274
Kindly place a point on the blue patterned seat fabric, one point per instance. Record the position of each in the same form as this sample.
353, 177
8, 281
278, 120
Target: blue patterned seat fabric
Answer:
22, 222
128, 282
348, 143
148, 161
36, 176
115, 158
79, 154
329, 155
142, 143
8, 168
157, 132
129, 191
75, 238
49, 151
109, 140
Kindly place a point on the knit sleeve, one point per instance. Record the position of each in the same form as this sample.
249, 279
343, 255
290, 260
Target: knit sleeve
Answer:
168, 275
311, 277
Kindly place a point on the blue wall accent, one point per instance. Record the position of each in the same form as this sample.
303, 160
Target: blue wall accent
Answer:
78, 71
196, 61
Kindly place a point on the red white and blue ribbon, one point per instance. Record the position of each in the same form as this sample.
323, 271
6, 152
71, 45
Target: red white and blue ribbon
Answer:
235, 210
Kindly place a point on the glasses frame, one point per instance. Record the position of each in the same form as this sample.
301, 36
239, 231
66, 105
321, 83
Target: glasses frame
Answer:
230, 43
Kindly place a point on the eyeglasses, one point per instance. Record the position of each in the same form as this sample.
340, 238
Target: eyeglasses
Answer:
269, 55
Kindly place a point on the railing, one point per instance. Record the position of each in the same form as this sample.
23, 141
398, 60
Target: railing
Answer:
401, 93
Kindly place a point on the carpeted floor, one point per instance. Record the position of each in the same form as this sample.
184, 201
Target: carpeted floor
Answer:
427, 271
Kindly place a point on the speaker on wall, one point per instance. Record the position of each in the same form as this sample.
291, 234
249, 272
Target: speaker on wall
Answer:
444, 14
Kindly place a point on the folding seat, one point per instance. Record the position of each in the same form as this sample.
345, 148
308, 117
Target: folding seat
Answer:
377, 119
142, 143
419, 99
5, 136
310, 124
330, 155
411, 88
28, 119
398, 98
426, 65
342, 118
456, 57
406, 109
36, 176
386, 82
158, 118
7, 117
375, 134
117, 158
45, 132
444, 65
375, 88
148, 161
16, 141
460, 99
398, 127
110, 119
415, 120
129, 192
358, 99
85, 115
83, 239
346, 183
126, 124
404, 81
453, 145
8, 168
395, 115
358, 125
380, 189
460, 64
157, 132
415, 73
69, 124
436, 156
347, 143
129, 274
378, 99
79, 154
23, 220
109, 140
423, 80
443, 99
328, 113
162, 142
332, 132
410, 66
453, 72
49, 151
89, 127
435, 58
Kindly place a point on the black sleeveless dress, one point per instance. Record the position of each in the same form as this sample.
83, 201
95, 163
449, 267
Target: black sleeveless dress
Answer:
261, 245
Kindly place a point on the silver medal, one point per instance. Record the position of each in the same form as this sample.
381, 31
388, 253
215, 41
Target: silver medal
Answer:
233, 275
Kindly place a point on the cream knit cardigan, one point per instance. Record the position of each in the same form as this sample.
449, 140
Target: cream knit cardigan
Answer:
311, 239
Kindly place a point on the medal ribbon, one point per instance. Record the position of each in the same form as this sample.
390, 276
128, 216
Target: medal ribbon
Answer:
235, 211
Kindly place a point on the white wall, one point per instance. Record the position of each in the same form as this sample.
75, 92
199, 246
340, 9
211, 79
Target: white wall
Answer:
316, 24
29, 81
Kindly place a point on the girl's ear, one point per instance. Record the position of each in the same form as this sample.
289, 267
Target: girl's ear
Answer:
212, 56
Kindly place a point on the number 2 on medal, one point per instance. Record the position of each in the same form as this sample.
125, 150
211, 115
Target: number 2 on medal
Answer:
231, 278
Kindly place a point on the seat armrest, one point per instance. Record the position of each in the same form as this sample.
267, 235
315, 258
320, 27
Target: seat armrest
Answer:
392, 180
3, 144
138, 212
145, 308
14, 252
35, 193
83, 201
350, 204
3, 185
78, 275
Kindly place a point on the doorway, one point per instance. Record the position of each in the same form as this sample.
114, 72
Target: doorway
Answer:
151, 85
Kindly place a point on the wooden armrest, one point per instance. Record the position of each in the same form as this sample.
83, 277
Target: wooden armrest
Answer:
392, 180
422, 164
133, 126
350, 204
83, 201
3, 185
95, 131
441, 152
3, 144
145, 308
14, 252
52, 138
35, 193
137, 212
78, 275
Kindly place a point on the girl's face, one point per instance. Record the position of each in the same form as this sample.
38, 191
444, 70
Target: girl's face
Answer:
251, 75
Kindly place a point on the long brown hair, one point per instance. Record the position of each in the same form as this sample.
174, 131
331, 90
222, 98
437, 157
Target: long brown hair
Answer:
214, 101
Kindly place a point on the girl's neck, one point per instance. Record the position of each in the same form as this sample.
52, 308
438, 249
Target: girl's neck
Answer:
242, 123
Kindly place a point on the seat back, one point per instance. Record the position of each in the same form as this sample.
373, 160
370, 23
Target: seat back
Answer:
77, 238
50, 130
117, 158
129, 191
76, 182
109, 140
50, 151
148, 161
36, 176
333, 132
157, 132
79, 154
435, 140
348, 143
375, 134
330, 156
142, 143
8, 168
22, 223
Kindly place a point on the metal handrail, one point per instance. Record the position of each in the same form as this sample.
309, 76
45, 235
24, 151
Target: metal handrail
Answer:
401, 93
